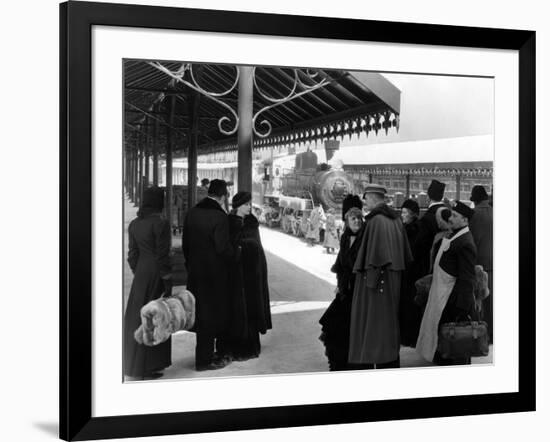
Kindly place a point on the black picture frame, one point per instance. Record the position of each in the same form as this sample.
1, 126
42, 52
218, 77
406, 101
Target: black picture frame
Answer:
76, 21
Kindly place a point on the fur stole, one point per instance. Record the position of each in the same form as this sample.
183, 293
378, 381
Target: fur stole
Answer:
162, 317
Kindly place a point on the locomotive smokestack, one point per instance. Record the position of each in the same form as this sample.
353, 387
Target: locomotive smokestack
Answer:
331, 146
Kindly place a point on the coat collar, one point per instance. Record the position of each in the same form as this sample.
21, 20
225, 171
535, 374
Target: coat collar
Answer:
432, 208
381, 209
209, 204
482, 205
459, 233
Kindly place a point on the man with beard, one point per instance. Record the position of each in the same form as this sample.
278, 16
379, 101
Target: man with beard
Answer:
208, 256
381, 259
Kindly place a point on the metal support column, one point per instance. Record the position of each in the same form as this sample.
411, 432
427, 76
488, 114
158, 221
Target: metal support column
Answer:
192, 151
135, 177
140, 171
156, 134
169, 147
127, 171
244, 137
408, 185
147, 153
131, 175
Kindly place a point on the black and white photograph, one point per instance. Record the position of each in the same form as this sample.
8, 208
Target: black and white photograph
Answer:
291, 220
243, 221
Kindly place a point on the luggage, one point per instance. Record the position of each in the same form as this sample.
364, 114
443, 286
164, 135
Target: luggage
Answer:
458, 340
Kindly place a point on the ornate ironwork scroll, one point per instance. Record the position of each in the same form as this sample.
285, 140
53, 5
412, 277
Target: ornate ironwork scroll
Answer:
290, 96
215, 96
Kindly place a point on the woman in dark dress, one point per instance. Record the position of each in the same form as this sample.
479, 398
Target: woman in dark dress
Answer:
335, 322
251, 314
148, 256
410, 313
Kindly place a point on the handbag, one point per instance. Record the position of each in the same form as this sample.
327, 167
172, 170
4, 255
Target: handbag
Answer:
459, 340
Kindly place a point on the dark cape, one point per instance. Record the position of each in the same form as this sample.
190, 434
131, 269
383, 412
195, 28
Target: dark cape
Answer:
250, 308
148, 257
382, 257
335, 322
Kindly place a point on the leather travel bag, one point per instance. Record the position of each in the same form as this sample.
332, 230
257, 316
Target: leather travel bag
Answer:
465, 339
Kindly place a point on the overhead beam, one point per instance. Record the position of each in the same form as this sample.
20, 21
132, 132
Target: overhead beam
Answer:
146, 113
154, 90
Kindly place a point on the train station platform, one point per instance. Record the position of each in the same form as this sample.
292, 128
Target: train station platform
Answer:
301, 287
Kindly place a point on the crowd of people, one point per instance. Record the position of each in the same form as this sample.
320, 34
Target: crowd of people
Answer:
226, 273
381, 260
382, 255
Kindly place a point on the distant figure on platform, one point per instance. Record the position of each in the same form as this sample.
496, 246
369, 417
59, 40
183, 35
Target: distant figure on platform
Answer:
382, 257
331, 242
251, 314
335, 322
208, 256
451, 296
205, 182
481, 226
149, 240
316, 219
427, 227
410, 313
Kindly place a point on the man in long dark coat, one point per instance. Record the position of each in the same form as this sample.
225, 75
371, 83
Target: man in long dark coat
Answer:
427, 228
481, 226
381, 259
208, 255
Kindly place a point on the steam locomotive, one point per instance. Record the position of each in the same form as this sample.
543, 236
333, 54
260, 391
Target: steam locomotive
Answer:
287, 199
319, 184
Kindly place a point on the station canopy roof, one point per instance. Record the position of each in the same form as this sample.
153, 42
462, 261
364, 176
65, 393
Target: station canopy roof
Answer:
348, 103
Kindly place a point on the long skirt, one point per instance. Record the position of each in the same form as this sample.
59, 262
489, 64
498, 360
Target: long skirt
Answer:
374, 330
141, 360
335, 324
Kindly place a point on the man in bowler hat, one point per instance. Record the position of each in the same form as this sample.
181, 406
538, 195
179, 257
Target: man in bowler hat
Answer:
481, 226
427, 227
381, 259
208, 256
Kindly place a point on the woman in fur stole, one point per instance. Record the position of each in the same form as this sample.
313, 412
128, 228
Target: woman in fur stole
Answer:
251, 314
148, 256
335, 322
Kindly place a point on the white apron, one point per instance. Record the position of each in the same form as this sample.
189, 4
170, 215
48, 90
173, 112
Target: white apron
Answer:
440, 290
